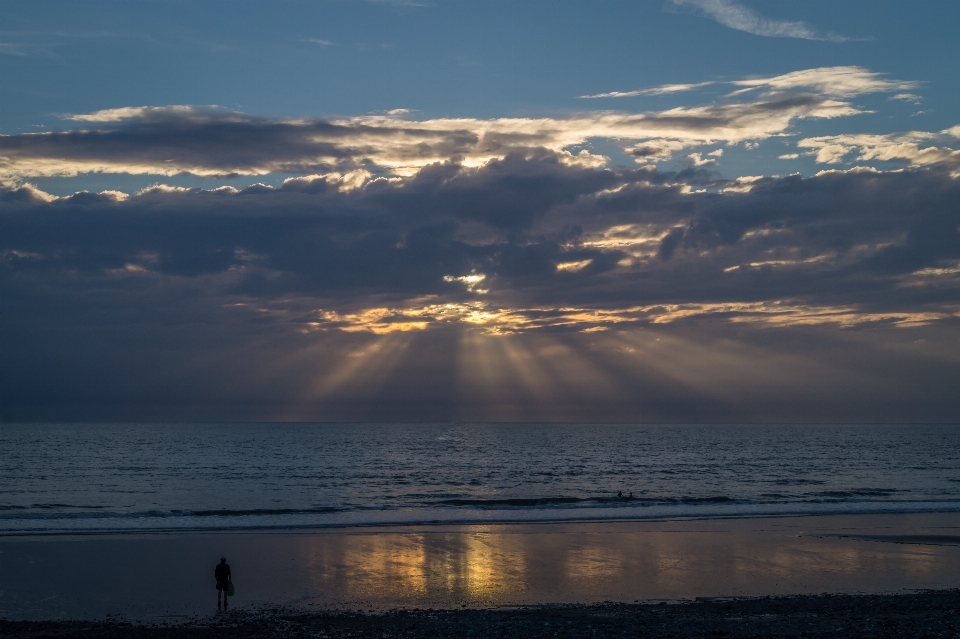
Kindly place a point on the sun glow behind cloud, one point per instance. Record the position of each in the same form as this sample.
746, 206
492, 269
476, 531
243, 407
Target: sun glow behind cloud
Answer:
518, 265
501, 321
522, 378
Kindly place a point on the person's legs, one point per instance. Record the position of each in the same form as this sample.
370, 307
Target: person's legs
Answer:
219, 592
225, 598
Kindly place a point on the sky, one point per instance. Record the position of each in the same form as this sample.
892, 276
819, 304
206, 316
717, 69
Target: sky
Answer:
467, 210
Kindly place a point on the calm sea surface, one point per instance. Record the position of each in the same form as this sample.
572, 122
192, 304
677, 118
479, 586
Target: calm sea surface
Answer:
134, 477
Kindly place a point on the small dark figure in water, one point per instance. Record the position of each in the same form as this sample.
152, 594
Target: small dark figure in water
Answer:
631, 495
619, 494
222, 573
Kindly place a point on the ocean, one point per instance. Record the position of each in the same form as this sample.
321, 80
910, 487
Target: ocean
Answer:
99, 478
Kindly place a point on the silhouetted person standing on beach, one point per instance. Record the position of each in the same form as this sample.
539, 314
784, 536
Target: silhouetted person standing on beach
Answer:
222, 573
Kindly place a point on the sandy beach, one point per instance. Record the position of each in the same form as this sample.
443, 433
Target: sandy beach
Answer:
169, 577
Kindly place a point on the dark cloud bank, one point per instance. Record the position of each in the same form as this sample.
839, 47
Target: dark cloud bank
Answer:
606, 295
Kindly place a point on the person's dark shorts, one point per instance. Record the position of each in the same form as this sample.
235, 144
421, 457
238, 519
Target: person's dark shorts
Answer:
223, 585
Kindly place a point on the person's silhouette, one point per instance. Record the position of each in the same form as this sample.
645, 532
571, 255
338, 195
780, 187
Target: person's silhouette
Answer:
222, 573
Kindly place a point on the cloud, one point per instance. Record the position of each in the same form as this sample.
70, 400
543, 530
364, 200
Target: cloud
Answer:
698, 160
844, 82
448, 268
896, 147
321, 42
140, 113
42, 42
838, 82
655, 150
737, 16
953, 131
498, 321
331, 294
907, 97
664, 89
401, 3
22, 49
209, 141
515, 231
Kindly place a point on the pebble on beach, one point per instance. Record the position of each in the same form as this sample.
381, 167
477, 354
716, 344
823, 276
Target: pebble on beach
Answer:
925, 614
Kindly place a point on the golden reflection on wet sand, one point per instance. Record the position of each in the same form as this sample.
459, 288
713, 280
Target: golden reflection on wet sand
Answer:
626, 561
472, 567
398, 560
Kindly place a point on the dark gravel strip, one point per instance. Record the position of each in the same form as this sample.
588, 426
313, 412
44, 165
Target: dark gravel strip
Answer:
926, 614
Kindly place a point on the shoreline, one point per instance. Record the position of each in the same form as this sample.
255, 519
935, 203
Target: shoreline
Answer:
501, 518
926, 614
478, 566
949, 519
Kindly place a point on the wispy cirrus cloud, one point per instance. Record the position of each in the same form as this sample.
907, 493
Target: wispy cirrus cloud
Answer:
664, 89
20, 49
907, 97
844, 82
137, 112
742, 18
42, 42
840, 82
402, 3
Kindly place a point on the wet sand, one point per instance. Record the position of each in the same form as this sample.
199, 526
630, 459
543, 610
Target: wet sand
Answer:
170, 576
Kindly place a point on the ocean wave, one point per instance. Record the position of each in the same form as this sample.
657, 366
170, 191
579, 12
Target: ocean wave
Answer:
44, 507
321, 518
537, 501
534, 502
161, 514
861, 492
257, 511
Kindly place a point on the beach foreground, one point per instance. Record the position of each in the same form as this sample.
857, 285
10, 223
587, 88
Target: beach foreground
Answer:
930, 614
169, 577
